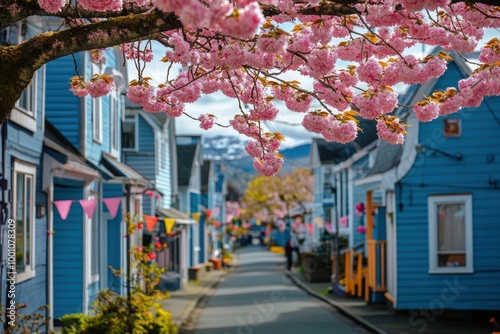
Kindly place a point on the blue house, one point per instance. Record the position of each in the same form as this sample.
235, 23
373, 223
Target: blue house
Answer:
149, 146
334, 167
189, 162
83, 163
22, 202
438, 212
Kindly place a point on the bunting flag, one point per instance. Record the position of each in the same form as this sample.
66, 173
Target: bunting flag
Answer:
258, 222
216, 211
63, 208
112, 203
196, 217
169, 224
150, 193
344, 220
319, 222
208, 214
310, 228
88, 206
328, 227
150, 222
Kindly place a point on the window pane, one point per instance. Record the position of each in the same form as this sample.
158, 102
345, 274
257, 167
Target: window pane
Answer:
20, 223
128, 140
451, 234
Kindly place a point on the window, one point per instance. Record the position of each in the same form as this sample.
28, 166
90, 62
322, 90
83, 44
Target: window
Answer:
23, 205
452, 127
450, 234
96, 111
27, 101
115, 125
129, 133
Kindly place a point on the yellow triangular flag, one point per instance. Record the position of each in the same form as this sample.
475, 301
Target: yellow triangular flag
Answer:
196, 216
319, 222
258, 222
169, 224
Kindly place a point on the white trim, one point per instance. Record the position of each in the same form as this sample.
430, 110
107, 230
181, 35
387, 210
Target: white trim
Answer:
369, 179
114, 124
433, 201
27, 117
96, 110
24, 168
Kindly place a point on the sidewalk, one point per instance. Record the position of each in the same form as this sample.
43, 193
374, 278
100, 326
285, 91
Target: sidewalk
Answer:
378, 319
184, 301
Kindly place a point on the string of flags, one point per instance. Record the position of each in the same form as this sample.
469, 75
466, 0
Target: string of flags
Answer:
113, 204
88, 206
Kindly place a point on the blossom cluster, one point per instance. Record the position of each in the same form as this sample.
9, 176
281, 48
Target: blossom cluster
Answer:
231, 47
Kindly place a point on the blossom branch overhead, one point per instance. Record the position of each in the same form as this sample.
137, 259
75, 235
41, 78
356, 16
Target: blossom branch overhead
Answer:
245, 49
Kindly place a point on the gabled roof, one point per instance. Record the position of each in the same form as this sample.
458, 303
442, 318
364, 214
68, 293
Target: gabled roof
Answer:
60, 148
335, 153
187, 147
159, 118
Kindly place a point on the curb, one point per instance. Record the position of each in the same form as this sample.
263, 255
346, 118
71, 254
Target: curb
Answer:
367, 325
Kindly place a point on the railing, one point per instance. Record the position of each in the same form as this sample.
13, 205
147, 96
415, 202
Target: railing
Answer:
377, 265
354, 270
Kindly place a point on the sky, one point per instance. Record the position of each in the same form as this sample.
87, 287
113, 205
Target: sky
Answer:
288, 123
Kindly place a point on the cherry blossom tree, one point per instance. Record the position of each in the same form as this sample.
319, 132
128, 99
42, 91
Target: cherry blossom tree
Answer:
272, 198
256, 53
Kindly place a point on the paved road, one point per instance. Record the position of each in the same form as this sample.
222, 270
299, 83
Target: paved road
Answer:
257, 298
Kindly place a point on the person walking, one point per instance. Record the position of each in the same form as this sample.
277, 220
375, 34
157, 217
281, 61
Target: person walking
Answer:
289, 254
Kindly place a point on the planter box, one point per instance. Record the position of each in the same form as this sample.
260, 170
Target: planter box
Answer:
194, 274
216, 263
209, 266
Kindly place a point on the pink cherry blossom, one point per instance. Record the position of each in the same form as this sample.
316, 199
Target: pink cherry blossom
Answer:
51, 6
100, 85
391, 131
341, 132
206, 121
426, 112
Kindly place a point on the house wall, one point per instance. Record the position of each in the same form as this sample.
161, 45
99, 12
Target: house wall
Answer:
26, 146
433, 173
68, 258
163, 181
114, 236
62, 107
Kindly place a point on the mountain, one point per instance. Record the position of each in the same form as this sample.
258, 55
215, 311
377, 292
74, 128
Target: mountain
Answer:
239, 166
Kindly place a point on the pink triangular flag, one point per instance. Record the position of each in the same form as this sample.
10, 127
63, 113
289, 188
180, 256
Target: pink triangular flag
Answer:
88, 206
112, 204
310, 228
328, 227
63, 208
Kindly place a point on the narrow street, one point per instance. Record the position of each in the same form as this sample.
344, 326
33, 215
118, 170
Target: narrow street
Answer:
258, 298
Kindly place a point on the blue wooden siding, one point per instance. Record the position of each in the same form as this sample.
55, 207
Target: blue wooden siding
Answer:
62, 108
114, 238
434, 174
26, 146
164, 180
68, 250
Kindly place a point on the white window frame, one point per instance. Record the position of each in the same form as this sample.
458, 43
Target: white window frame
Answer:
96, 111
114, 121
30, 172
92, 278
26, 115
433, 202
131, 119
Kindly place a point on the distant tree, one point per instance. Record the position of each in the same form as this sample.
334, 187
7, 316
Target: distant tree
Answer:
254, 51
270, 198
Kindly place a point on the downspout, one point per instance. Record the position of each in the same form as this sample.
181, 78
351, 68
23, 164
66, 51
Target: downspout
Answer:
50, 251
